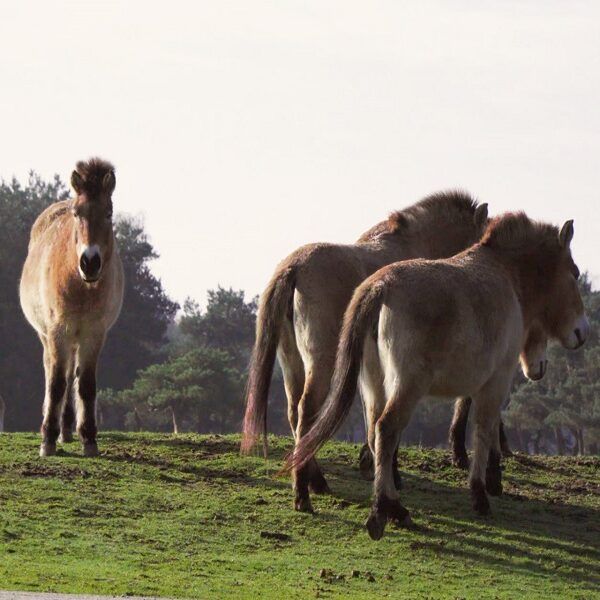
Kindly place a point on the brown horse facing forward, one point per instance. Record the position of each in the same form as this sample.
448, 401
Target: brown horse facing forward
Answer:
71, 293
449, 328
301, 310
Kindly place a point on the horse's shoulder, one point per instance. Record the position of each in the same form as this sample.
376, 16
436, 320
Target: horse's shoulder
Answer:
48, 217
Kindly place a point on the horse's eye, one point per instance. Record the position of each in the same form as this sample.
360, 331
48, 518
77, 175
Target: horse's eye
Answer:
109, 216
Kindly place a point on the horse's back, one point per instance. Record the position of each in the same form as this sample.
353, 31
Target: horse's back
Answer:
47, 219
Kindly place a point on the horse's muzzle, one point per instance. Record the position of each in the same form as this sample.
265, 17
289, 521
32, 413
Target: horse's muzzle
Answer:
90, 264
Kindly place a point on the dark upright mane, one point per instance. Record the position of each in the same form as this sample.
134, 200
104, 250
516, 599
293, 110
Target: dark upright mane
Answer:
449, 206
93, 175
516, 231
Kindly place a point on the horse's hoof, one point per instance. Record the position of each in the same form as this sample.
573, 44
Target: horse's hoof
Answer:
365, 463
303, 505
397, 480
65, 437
376, 525
47, 449
318, 484
90, 450
461, 461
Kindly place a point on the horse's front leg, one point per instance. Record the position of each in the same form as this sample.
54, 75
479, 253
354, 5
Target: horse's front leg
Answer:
87, 360
67, 419
55, 367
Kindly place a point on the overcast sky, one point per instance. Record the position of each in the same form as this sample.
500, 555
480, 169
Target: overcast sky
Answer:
243, 129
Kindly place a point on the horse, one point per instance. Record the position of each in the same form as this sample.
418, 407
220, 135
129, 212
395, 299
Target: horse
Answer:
71, 293
536, 342
301, 310
449, 328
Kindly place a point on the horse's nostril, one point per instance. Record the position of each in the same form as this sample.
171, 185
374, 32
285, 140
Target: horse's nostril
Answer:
90, 266
578, 335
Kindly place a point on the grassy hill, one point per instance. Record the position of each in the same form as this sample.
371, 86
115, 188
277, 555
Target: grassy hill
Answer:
187, 517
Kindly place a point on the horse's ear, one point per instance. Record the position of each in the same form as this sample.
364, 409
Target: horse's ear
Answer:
77, 182
566, 234
109, 182
481, 215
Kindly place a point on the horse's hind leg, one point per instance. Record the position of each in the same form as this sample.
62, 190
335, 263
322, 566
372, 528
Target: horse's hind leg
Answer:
386, 503
486, 416
55, 367
293, 372
87, 359
310, 477
458, 432
493, 473
372, 394
294, 382
67, 419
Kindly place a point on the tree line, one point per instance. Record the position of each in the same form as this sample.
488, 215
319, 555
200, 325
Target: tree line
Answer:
172, 368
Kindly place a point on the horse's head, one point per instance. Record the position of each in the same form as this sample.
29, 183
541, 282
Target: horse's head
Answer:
539, 256
94, 182
564, 315
533, 356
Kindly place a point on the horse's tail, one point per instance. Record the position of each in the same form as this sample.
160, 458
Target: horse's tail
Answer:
360, 319
274, 304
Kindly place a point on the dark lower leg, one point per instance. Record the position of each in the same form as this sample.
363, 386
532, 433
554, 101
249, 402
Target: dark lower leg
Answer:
317, 482
365, 463
386, 504
493, 474
301, 496
86, 418
310, 476
504, 447
458, 431
68, 416
55, 389
481, 504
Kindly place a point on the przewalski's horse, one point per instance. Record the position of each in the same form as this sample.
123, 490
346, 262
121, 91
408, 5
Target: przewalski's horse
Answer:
534, 364
449, 328
71, 293
301, 310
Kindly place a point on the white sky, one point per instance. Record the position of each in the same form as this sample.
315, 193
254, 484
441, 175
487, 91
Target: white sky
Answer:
243, 129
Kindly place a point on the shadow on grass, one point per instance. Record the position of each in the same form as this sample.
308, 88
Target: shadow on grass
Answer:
556, 539
197, 463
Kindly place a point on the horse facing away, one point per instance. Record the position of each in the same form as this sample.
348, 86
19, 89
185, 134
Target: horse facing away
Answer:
449, 328
300, 312
71, 293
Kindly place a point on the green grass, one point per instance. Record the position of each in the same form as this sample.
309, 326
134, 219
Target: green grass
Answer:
186, 517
